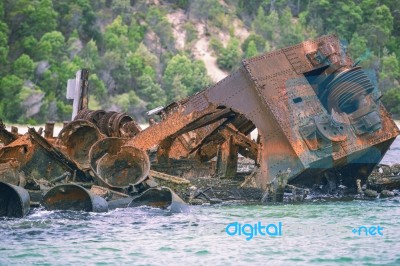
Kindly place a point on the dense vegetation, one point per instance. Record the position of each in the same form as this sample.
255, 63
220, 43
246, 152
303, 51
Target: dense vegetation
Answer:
131, 51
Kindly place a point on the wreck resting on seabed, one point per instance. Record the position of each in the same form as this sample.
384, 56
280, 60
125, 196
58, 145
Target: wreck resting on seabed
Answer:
318, 116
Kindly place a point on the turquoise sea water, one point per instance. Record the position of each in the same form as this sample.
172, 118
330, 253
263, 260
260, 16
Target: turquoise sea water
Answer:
315, 233
318, 233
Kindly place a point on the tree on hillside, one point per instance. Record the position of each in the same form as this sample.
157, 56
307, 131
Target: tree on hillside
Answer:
290, 32
23, 67
51, 46
156, 18
10, 86
341, 17
378, 30
266, 25
358, 47
389, 73
188, 75
258, 40
3, 47
251, 50
205, 10
28, 18
229, 57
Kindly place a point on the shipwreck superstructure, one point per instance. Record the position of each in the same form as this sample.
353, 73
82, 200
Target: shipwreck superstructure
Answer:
317, 115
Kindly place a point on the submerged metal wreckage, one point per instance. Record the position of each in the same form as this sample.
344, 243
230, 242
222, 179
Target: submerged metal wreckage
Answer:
318, 116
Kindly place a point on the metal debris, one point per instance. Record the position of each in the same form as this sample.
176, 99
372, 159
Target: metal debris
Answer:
316, 119
116, 165
161, 197
73, 197
14, 201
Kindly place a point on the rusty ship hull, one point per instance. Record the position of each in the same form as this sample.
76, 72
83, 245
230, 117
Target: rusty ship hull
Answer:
318, 117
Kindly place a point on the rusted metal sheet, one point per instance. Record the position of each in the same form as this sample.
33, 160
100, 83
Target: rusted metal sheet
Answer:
39, 159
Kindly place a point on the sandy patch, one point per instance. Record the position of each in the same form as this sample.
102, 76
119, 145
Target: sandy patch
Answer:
178, 20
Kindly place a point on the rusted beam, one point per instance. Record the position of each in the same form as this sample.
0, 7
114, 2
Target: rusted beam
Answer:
227, 159
84, 90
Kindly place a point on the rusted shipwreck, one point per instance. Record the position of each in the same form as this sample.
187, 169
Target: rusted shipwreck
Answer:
317, 116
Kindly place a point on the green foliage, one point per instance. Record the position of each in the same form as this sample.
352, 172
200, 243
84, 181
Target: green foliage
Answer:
29, 45
279, 29
230, 56
249, 7
120, 7
216, 45
90, 56
183, 77
251, 50
389, 73
191, 33
51, 46
180, 3
129, 47
290, 32
23, 67
3, 45
77, 15
368, 7
10, 86
64, 111
258, 40
266, 26
156, 18
135, 34
115, 35
391, 100
32, 17
97, 88
164, 31
142, 61
151, 92
377, 32
341, 17
126, 100
358, 47
1, 10
206, 9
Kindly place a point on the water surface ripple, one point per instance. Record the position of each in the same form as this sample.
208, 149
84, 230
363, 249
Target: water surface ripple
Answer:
313, 233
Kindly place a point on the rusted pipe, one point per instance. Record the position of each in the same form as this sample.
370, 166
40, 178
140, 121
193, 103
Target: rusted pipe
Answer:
74, 198
116, 165
162, 197
14, 201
